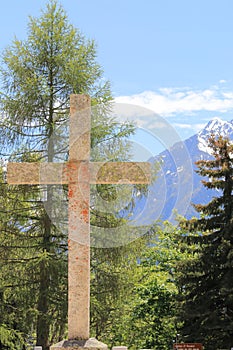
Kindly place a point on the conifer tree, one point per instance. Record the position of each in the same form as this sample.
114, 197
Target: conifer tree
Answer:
38, 75
206, 281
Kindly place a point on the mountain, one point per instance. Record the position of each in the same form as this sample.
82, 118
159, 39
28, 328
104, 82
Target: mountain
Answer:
178, 185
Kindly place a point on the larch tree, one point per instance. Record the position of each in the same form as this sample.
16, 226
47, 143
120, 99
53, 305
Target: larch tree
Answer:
206, 281
37, 77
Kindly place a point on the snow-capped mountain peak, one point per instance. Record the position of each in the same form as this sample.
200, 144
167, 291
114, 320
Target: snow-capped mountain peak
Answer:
178, 184
216, 126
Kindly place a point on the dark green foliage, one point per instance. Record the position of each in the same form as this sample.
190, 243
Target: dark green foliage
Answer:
24, 257
206, 280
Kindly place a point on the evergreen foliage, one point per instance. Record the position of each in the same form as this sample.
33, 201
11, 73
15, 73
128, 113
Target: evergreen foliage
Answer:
148, 319
206, 280
38, 75
131, 303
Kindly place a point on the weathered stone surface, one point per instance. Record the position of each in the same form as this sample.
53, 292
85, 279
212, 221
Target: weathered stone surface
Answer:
72, 172
120, 173
89, 344
80, 127
79, 261
79, 218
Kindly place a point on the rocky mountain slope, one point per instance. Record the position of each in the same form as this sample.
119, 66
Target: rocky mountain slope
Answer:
178, 185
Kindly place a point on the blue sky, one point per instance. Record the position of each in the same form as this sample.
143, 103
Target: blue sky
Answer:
174, 57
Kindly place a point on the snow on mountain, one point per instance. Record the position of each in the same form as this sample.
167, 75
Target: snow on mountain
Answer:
216, 126
177, 185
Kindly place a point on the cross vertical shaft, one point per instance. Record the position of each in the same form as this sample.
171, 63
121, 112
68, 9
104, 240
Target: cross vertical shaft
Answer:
79, 230
79, 173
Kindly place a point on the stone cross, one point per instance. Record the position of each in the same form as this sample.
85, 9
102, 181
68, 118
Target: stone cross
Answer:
79, 173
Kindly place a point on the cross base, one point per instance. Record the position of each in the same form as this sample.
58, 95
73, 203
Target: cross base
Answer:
89, 344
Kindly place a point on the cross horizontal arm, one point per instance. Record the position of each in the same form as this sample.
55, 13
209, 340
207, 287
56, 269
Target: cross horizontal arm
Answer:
120, 173
65, 173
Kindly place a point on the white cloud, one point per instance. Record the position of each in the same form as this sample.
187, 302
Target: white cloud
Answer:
170, 101
145, 119
193, 127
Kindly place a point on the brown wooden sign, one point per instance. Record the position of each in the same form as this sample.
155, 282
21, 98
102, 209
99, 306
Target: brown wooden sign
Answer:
188, 346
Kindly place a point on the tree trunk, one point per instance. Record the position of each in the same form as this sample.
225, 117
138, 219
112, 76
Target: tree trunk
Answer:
43, 322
